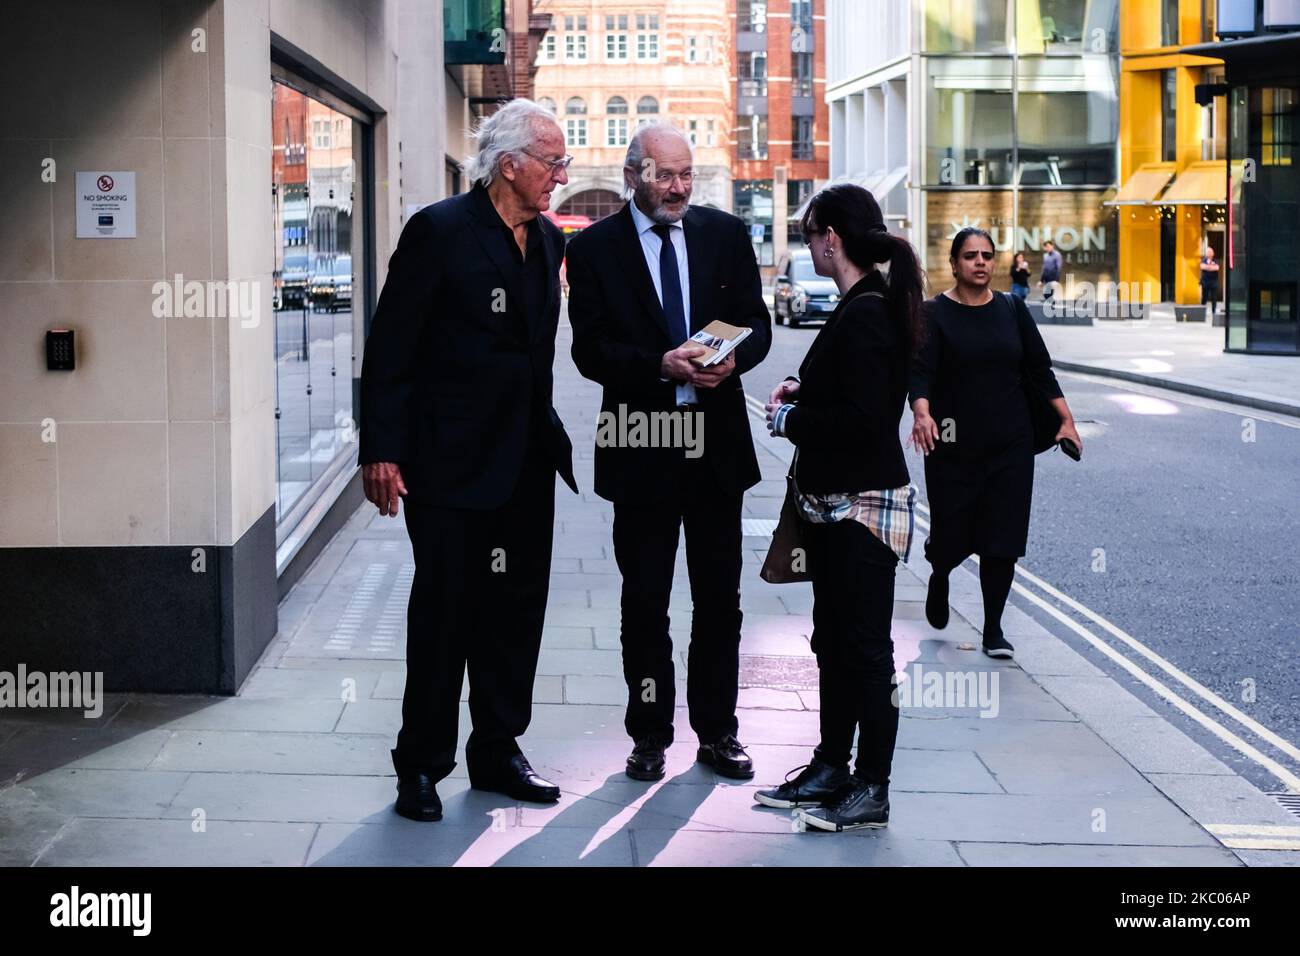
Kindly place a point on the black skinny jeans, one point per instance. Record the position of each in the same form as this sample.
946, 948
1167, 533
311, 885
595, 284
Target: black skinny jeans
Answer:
853, 604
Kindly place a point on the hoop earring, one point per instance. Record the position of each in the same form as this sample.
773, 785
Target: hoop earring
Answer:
828, 254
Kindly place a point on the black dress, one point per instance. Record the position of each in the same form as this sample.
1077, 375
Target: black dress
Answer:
980, 476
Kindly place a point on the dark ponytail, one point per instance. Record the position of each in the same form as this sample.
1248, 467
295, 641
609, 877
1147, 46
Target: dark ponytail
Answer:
856, 218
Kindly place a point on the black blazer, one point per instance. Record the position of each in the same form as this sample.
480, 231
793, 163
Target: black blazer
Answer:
852, 391
620, 336
450, 387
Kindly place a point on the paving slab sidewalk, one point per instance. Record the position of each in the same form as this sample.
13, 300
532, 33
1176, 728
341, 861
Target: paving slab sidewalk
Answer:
1057, 766
1183, 356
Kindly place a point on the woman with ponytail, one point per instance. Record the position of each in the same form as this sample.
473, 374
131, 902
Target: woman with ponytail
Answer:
854, 492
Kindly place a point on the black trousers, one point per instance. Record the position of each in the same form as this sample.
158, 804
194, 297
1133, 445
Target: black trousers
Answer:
478, 599
853, 604
645, 547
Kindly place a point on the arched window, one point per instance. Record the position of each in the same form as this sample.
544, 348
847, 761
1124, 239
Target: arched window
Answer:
647, 104
616, 104
576, 104
546, 103
593, 203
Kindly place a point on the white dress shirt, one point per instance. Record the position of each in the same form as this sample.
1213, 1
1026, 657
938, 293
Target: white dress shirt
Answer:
650, 247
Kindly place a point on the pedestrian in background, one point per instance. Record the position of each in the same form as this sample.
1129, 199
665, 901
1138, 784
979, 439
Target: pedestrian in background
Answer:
1020, 276
856, 499
1051, 268
971, 419
1210, 280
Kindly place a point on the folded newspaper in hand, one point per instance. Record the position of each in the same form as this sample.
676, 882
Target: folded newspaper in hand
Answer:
719, 339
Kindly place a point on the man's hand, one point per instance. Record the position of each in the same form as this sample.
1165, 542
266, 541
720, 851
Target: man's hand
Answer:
384, 487
677, 364
714, 375
783, 393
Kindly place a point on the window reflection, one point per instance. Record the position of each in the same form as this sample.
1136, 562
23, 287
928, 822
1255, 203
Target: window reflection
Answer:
313, 179
960, 26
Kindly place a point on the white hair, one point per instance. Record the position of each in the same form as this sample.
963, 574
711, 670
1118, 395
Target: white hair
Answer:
507, 132
636, 147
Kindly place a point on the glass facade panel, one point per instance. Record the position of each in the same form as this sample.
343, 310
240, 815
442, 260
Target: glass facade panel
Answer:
1272, 210
969, 122
751, 16
1237, 261
313, 186
751, 137
1066, 26
966, 26
752, 203
1067, 120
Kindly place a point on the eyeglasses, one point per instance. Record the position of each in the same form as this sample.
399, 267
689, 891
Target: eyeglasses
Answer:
664, 178
554, 164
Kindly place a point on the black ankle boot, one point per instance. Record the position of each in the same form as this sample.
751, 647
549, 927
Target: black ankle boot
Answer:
936, 601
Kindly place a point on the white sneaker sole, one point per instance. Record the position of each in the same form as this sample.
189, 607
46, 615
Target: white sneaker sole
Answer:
1000, 652
784, 804
828, 826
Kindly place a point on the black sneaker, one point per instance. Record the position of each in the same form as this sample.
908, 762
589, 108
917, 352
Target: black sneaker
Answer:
817, 783
936, 601
861, 806
995, 645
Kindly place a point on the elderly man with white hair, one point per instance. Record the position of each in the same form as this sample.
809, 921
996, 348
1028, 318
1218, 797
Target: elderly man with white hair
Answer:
457, 422
641, 282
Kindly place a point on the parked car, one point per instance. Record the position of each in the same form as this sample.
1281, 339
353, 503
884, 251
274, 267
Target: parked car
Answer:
800, 294
331, 285
291, 283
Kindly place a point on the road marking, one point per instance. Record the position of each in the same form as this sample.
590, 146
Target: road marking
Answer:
1287, 777
1210, 404
1255, 727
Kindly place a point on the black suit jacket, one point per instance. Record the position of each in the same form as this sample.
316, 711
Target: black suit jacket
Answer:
620, 335
852, 391
451, 383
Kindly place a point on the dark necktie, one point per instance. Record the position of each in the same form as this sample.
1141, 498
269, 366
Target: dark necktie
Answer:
670, 282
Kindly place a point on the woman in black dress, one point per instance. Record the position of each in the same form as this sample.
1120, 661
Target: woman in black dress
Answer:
856, 499
971, 419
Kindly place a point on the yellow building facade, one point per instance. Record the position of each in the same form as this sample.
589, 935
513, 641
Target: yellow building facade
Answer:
1172, 148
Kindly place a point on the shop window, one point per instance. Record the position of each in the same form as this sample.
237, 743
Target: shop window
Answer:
318, 252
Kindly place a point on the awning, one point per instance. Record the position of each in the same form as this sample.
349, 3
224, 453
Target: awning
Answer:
1200, 184
1144, 185
888, 183
880, 183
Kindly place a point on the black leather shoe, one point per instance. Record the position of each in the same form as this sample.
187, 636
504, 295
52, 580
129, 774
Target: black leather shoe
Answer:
417, 798
861, 806
936, 601
818, 782
727, 757
516, 778
646, 761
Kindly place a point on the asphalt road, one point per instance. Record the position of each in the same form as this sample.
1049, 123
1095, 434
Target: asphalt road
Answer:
1198, 530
